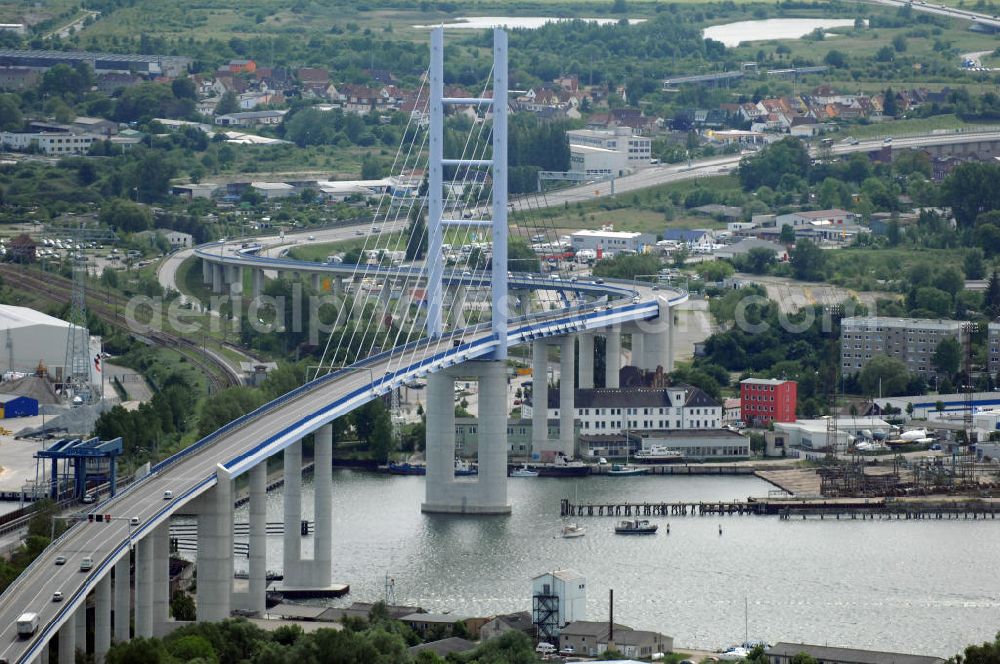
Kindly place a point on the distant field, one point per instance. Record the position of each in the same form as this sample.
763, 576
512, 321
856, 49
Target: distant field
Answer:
913, 126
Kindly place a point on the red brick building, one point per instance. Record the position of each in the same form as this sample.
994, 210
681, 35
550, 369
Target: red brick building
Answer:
766, 400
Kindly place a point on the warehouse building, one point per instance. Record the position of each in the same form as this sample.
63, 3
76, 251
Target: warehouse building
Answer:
147, 65
12, 405
29, 338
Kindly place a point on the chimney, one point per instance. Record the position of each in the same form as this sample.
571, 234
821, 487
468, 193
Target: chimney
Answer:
611, 619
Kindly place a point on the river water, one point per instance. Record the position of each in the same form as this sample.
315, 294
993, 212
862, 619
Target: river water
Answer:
919, 587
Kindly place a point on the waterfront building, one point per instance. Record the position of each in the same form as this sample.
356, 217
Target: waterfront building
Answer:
816, 435
708, 445
766, 400
592, 639
511, 622
911, 340
558, 599
784, 653
617, 410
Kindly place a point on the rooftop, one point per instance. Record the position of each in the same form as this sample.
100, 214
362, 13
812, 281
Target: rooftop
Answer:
443, 647
660, 434
834, 654
634, 397
13, 317
909, 323
764, 381
623, 235
562, 575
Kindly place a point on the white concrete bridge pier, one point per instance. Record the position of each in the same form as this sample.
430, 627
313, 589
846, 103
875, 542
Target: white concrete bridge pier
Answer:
612, 356
215, 550
301, 572
487, 492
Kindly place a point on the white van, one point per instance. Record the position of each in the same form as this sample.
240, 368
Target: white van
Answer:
544, 648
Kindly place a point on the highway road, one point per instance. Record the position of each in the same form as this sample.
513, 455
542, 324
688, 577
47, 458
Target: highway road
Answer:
666, 174
942, 10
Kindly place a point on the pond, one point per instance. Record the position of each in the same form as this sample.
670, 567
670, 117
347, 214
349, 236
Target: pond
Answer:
732, 34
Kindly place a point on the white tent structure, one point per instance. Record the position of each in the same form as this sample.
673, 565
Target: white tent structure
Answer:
28, 337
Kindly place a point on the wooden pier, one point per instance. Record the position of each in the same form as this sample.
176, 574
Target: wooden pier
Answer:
784, 508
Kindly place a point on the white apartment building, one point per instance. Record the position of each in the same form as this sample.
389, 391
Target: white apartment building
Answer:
48, 142
616, 411
614, 152
912, 340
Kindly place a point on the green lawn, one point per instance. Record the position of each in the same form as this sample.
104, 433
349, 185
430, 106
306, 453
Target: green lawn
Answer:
642, 211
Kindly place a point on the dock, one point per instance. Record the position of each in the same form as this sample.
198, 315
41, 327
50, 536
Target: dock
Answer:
788, 508
685, 469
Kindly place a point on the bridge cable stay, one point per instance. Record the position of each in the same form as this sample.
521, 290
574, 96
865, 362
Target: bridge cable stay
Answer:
385, 315
387, 232
449, 202
365, 269
408, 140
347, 305
452, 201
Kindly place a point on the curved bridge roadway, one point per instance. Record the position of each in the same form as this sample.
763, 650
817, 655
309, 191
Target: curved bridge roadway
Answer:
243, 443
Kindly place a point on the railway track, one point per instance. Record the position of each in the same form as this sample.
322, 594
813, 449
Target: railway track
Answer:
59, 289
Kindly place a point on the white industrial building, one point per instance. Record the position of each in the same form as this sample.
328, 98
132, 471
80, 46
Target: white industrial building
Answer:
29, 337
608, 241
558, 599
614, 152
814, 435
48, 142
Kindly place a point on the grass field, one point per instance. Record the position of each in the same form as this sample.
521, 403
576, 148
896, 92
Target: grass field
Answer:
643, 211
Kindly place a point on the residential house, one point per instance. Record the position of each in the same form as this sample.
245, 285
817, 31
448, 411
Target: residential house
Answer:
591, 639
242, 66
424, 623
511, 622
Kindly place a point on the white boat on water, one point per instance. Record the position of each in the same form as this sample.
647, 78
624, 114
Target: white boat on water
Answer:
624, 470
657, 454
571, 530
524, 471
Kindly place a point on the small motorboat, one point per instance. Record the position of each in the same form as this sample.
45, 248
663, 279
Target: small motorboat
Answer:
571, 530
621, 470
524, 471
635, 527
407, 469
465, 469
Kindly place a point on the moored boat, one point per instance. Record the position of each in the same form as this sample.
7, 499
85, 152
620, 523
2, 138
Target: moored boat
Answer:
621, 470
524, 471
571, 530
464, 468
635, 527
407, 469
564, 466
658, 454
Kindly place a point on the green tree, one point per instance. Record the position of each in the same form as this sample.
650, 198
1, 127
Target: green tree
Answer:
789, 156
416, 236
139, 650
371, 168
947, 356
227, 103
971, 189
627, 266
715, 270
973, 264
619, 7
10, 113
883, 376
992, 297
787, 234
192, 647
808, 261
759, 259
182, 606
225, 406
126, 217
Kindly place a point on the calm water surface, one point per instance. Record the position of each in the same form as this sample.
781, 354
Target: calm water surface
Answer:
927, 587
731, 34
